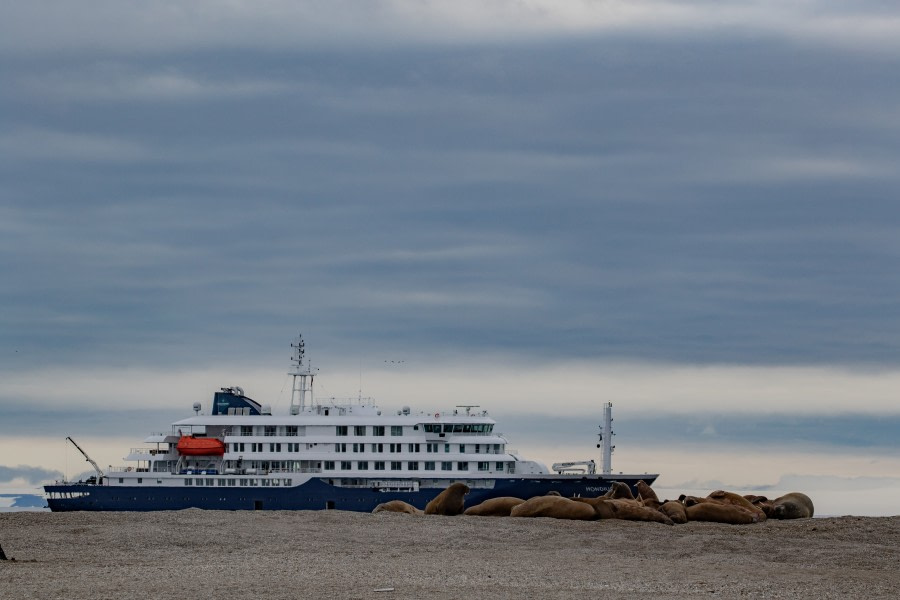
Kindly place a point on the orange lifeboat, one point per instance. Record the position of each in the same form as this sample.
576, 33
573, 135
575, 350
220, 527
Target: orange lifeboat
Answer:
189, 445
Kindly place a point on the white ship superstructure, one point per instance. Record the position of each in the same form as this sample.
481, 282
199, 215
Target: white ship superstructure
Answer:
322, 454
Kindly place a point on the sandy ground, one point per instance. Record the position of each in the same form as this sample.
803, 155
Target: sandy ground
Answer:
197, 554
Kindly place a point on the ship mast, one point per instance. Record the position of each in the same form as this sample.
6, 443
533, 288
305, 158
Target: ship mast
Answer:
303, 377
606, 439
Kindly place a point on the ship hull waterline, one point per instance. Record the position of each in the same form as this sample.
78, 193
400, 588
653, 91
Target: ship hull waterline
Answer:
316, 494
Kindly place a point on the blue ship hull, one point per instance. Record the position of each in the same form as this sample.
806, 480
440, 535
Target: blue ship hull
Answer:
315, 494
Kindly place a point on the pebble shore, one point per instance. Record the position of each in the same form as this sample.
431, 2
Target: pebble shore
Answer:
195, 554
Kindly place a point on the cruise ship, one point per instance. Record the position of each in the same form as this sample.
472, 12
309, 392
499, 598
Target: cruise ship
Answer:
347, 455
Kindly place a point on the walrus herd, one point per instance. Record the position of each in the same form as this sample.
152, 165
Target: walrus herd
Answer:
619, 502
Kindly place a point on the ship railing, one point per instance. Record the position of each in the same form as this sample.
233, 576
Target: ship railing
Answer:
151, 451
197, 470
123, 469
445, 434
491, 452
255, 471
297, 470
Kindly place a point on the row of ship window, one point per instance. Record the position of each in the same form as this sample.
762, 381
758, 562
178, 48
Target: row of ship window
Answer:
412, 465
363, 430
379, 465
360, 430
239, 482
227, 482
345, 465
432, 448
458, 427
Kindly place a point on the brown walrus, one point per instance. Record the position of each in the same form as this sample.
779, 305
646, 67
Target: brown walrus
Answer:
647, 496
495, 507
692, 500
761, 502
555, 507
737, 500
674, 510
624, 509
450, 502
618, 490
792, 506
397, 506
720, 513
631, 510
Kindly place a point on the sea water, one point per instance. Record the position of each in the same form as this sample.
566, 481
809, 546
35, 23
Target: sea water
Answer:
13, 500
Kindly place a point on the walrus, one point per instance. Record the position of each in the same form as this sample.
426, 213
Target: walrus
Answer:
624, 509
692, 500
631, 510
397, 506
762, 503
675, 511
647, 496
495, 507
450, 502
792, 506
617, 490
720, 513
737, 500
555, 507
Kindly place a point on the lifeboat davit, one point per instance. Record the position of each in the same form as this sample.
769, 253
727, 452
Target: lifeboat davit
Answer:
189, 445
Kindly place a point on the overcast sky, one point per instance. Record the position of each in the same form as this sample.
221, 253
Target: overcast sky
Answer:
704, 194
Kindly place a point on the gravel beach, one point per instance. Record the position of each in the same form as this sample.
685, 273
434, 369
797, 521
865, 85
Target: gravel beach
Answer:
195, 554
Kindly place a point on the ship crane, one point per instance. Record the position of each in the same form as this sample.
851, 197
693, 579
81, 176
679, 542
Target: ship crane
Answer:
579, 466
87, 458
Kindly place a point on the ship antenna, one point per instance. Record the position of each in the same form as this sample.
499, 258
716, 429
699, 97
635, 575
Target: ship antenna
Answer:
303, 377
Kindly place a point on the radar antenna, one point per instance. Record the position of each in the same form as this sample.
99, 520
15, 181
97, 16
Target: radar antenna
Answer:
303, 377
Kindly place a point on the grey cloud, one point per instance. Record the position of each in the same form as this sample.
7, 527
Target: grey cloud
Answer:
805, 483
33, 475
127, 422
630, 196
102, 26
844, 431
848, 432
30, 145
117, 82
